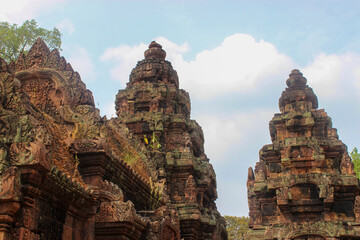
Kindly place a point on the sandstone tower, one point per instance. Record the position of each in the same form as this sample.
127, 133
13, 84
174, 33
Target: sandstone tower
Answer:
303, 186
157, 112
66, 173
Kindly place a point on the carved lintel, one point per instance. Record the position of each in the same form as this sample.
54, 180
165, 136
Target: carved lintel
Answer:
88, 145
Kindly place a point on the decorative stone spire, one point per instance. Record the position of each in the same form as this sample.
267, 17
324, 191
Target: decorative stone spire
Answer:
298, 94
157, 113
155, 51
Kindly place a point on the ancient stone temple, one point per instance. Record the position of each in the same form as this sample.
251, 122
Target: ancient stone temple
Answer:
67, 173
157, 113
303, 186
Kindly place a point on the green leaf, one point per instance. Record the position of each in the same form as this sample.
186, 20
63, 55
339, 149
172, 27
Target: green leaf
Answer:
15, 39
236, 227
355, 158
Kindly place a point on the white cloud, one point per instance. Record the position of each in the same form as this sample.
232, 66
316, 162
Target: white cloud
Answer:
66, 26
81, 62
173, 51
238, 65
223, 133
242, 65
21, 10
232, 143
126, 57
232, 193
334, 75
109, 110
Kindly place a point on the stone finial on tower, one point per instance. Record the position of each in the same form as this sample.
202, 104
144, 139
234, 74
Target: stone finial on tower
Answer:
296, 79
297, 93
155, 51
154, 68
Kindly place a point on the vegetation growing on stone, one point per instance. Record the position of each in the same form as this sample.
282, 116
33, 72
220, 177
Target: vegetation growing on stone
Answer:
355, 157
18, 39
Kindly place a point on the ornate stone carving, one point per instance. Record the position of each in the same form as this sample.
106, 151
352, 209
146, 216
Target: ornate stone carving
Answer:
157, 113
190, 189
305, 177
10, 184
66, 172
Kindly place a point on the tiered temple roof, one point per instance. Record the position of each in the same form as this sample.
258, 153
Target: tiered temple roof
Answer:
303, 186
157, 112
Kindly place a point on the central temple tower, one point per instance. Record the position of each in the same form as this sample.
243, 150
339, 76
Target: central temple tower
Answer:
157, 114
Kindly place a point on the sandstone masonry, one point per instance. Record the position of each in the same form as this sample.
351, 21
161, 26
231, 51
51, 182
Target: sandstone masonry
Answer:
67, 173
304, 185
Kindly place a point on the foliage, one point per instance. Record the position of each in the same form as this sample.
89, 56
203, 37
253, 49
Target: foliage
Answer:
236, 227
355, 157
154, 142
157, 190
15, 39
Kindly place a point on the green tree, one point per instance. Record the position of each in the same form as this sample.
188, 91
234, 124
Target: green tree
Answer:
15, 39
355, 157
236, 227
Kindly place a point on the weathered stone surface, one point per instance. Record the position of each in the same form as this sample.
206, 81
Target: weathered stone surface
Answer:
67, 173
303, 186
157, 113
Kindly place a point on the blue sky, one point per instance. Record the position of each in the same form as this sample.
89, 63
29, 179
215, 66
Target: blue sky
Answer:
233, 57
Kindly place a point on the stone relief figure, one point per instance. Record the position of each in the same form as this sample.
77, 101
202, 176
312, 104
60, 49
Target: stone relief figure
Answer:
257, 218
283, 194
176, 196
260, 171
154, 103
187, 146
331, 193
346, 166
10, 184
357, 204
357, 208
4, 164
190, 189
322, 191
124, 106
